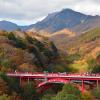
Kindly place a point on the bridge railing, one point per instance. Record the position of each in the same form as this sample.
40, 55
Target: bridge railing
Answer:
56, 74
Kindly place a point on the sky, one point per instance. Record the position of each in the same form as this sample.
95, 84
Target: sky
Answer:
25, 12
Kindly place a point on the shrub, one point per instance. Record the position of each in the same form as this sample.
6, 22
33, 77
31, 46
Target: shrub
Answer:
73, 57
20, 43
68, 92
4, 97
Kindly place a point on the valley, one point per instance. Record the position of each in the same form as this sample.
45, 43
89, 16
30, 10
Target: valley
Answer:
64, 42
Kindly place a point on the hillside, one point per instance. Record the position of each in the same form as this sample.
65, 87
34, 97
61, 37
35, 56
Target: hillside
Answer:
23, 53
77, 41
33, 52
64, 31
62, 37
86, 38
21, 49
89, 23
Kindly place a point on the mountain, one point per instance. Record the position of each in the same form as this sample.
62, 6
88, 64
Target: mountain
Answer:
9, 26
67, 18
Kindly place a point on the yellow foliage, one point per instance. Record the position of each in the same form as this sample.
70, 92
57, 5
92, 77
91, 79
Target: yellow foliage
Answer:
87, 96
79, 66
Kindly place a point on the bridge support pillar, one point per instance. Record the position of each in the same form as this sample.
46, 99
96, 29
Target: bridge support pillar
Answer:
28, 80
97, 84
20, 81
69, 80
82, 86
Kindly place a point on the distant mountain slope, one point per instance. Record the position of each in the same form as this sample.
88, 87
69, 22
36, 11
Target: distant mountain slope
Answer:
65, 31
70, 42
56, 21
89, 23
62, 37
66, 18
9, 26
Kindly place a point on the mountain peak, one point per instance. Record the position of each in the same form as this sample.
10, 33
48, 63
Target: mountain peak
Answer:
71, 12
67, 9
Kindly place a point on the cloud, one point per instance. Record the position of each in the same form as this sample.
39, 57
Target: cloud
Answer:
29, 11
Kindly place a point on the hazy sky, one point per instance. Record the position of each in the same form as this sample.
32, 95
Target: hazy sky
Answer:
29, 11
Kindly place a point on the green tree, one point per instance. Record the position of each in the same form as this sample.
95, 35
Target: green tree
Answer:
19, 42
35, 42
11, 36
69, 92
54, 50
